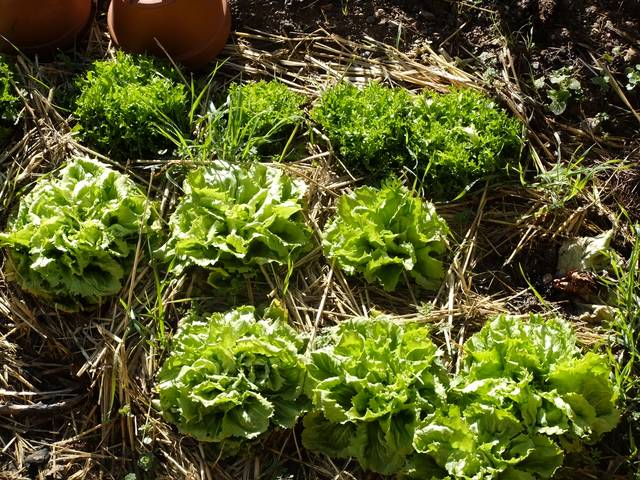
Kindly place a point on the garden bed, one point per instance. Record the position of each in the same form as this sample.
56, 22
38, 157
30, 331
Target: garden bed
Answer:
77, 389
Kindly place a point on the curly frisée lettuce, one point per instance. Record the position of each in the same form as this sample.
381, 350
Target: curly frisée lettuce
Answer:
74, 236
234, 218
231, 376
524, 396
366, 126
371, 380
383, 233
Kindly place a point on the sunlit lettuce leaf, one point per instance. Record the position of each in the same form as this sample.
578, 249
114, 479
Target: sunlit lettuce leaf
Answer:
234, 218
385, 233
74, 236
482, 442
371, 380
535, 367
232, 375
512, 348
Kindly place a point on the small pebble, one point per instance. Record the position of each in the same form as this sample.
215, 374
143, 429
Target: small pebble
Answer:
547, 278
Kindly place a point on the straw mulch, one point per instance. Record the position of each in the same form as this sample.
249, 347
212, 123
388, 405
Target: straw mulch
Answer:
76, 389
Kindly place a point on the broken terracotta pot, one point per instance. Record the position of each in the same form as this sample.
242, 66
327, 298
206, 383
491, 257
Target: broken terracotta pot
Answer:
41, 26
191, 32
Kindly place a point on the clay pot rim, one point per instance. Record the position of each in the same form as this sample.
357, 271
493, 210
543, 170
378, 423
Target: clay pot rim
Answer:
155, 4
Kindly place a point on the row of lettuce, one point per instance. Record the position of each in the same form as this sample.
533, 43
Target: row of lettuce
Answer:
136, 107
371, 389
375, 390
75, 235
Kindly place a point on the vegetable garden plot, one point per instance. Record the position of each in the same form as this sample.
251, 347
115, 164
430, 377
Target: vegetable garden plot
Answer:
109, 357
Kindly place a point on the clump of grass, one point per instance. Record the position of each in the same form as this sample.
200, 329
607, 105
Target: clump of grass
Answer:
122, 101
269, 111
257, 120
626, 331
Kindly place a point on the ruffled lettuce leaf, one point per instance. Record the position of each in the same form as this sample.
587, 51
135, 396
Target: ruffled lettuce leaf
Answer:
481, 442
371, 380
232, 376
233, 219
383, 233
511, 348
525, 395
74, 236
535, 367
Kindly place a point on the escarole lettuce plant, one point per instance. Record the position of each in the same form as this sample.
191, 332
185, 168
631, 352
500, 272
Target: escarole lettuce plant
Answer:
371, 381
74, 236
233, 375
9, 101
122, 102
387, 232
525, 395
234, 218
448, 140
460, 137
366, 125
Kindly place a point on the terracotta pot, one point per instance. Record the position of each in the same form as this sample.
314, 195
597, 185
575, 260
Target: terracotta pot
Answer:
192, 32
41, 26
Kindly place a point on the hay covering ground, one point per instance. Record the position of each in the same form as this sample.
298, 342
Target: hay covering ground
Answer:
76, 390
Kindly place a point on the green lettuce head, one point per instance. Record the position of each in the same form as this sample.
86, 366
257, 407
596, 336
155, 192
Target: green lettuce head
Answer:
537, 365
525, 391
371, 382
234, 218
74, 236
230, 377
385, 233
481, 442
